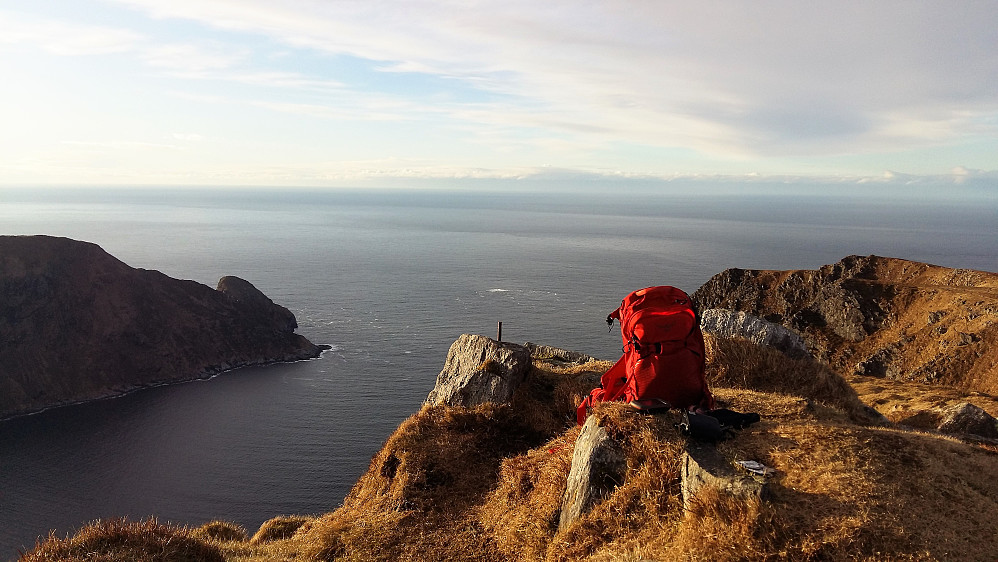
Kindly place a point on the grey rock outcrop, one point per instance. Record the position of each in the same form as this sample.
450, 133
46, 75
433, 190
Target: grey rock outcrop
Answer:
734, 324
479, 370
835, 298
703, 465
966, 418
557, 354
78, 324
598, 466
878, 316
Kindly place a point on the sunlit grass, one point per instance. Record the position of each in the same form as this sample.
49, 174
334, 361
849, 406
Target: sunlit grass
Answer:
487, 484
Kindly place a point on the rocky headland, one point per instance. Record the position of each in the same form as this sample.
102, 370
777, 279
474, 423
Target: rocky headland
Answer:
78, 324
493, 466
879, 317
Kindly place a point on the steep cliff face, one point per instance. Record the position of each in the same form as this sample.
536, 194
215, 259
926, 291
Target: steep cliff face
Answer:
878, 316
76, 324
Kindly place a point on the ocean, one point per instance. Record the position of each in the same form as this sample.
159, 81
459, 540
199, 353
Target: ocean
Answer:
389, 279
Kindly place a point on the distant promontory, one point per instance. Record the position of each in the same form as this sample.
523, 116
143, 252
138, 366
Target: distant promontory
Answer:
78, 324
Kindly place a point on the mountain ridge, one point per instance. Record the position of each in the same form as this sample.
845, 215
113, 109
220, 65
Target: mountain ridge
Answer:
878, 316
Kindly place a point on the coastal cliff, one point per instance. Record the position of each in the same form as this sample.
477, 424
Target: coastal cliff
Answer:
78, 324
483, 471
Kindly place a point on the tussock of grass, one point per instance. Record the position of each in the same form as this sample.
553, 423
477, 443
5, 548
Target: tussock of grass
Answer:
119, 540
716, 527
422, 486
551, 394
279, 528
739, 363
222, 531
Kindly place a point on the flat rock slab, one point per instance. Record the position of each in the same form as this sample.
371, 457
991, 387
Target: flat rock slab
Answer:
479, 370
703, 465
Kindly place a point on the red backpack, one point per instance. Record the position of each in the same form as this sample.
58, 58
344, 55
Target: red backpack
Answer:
663, 353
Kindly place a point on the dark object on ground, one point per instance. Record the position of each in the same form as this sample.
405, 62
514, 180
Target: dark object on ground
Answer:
733, 419
715, 425
702, 427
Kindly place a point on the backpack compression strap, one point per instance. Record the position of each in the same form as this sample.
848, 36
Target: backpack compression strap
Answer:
610, 317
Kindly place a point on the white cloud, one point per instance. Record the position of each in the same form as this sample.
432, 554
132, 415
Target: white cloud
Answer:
726, 78
64, 38
739, 86
118, 145
188, 58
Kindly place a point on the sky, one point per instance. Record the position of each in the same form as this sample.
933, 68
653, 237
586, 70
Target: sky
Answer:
331, 92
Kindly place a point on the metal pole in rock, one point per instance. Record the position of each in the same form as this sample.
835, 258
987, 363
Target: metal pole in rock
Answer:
499, 333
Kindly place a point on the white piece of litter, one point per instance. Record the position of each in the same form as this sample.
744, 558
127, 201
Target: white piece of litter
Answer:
756, 467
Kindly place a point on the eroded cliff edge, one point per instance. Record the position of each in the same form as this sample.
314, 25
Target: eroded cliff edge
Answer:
78, 324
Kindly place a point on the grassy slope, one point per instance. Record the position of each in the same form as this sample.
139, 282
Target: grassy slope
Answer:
486, 484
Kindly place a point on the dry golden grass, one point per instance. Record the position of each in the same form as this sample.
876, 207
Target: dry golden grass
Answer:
279, 528
486, 483
717, 527
423, 486
221, 531
917, 405
738, 363
521, 514
119, 540
849, 491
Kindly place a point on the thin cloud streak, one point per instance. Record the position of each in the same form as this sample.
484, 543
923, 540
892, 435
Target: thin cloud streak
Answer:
65, 39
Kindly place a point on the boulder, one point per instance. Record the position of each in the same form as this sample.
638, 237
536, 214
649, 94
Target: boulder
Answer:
598, 466
733, 324
966, 418
703, 465
479, 370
